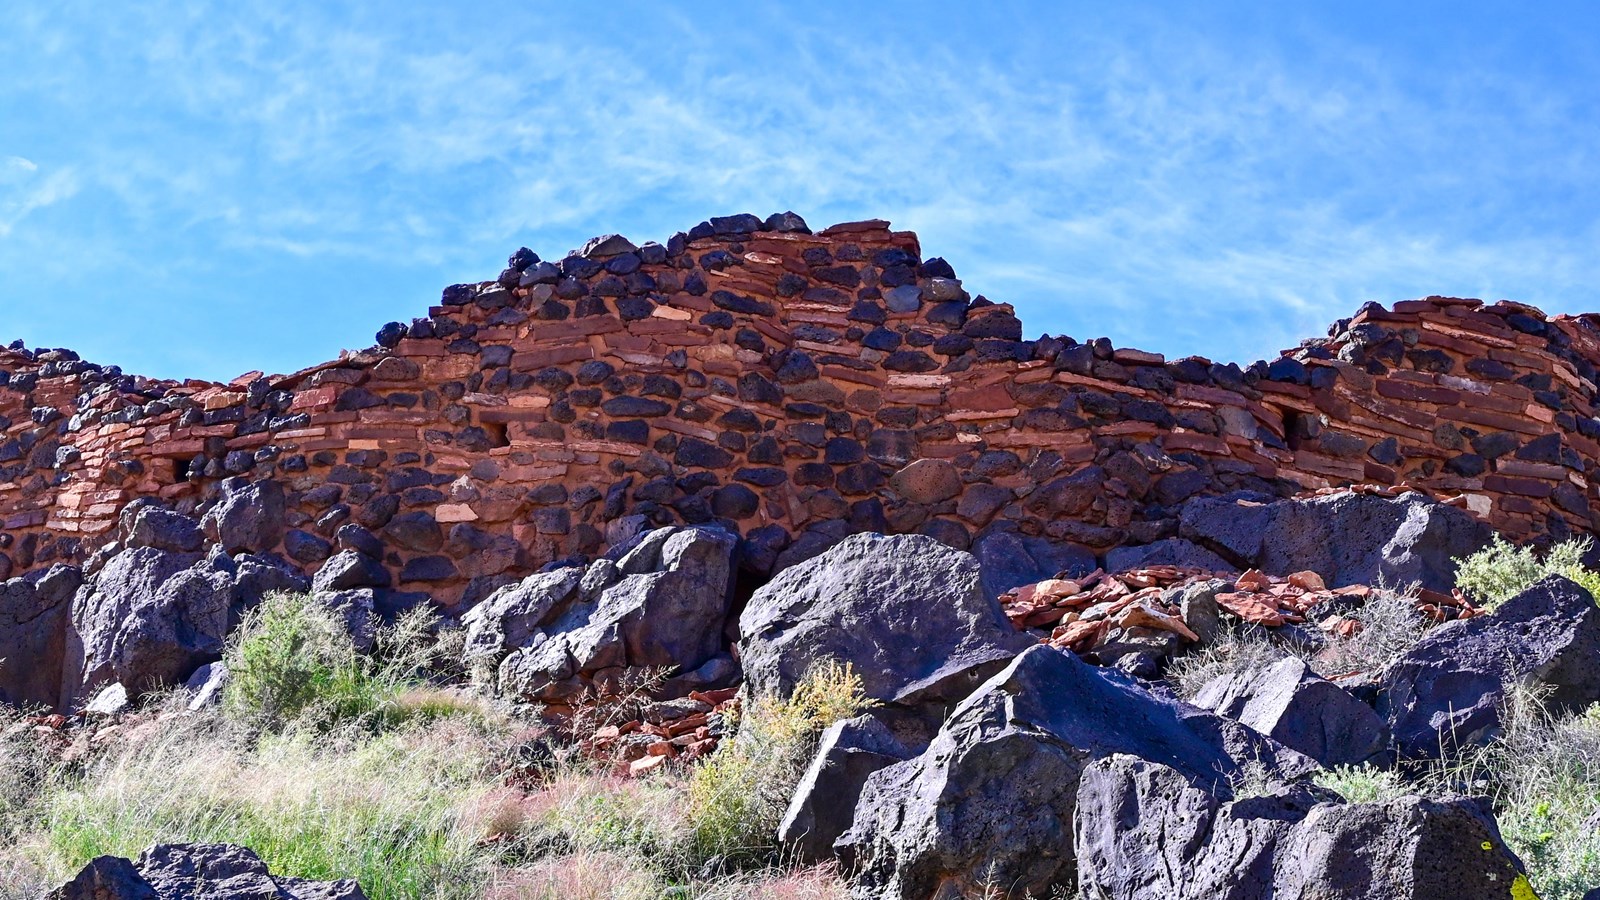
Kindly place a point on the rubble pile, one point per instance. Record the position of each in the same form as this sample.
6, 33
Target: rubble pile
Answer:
1088, 614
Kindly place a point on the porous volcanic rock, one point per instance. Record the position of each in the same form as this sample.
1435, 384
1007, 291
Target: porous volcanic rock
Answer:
1145, 831
824, 802
196, 872
150, 617
1346, 537
659, 601
1448, 690
907, 613
991, 800
1300, 709
34, 612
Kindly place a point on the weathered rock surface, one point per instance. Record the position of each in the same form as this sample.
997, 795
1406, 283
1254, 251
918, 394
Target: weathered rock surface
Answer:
908, 613
1293, 705
196, 872
1168, 552
247, 517
1144, 831
34, 612
1448, 689
661, 602
151, 617
991, 801
824, 802
1347, 538
1009, 559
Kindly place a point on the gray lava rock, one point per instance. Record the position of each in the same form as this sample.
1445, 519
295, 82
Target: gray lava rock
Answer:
1414, 847
149, 525
34, 615
662, 603
1010, 560
1144, 831
1168, 552
247, 517
824, 802
357, 610
150, 617
206, 685
906, 612
347, 570
106, 878
1291, 704
1347, 538
992, 799
508, 620
1447, 690
196, 872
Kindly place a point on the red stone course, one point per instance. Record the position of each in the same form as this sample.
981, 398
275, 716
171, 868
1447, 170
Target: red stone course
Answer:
783, 381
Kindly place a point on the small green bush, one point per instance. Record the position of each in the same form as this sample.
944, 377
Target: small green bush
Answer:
291, 660
1364, 784
738, 796
1503, 570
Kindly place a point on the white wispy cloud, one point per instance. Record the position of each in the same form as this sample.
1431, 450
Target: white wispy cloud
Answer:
1151, 182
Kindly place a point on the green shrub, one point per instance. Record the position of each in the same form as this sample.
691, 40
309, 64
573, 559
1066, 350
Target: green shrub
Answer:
1364, 784
1502, 570
291, 660
738, 796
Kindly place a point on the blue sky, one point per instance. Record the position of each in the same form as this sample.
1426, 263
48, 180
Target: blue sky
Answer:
199, 189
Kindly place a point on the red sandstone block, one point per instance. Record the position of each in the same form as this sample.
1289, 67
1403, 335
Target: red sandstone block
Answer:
1523, 487
1192, 440
1206, 394
1400, 390
322, 396
533, 360
1492, 420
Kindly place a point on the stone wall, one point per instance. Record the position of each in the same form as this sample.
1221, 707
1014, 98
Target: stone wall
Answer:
798, 385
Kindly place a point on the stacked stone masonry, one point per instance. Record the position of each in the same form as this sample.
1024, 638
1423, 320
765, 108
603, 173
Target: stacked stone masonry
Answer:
787, 381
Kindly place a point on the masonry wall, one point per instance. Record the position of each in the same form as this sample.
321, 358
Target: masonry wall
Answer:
797, 386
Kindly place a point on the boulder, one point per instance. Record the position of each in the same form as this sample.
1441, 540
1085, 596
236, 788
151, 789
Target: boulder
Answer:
150, 617
824, 802
34, 612
1347, 538
907, 612
1011, 560
110, 702
1145, 831
1291, 704
511, 616
196, 872
992, 799
356, 610
347, 570
1413, 847
1448, 689
106, 878
248, 516
206, 686
149, 525
661, 603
